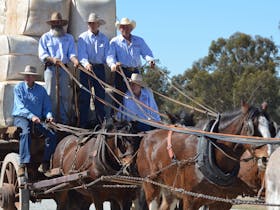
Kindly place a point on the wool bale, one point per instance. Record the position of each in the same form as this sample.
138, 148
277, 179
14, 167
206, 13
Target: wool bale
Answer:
16, 52
80, 10
28, 17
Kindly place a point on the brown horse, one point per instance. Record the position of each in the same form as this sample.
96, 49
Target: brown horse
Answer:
252, 172
100, 155
194, 172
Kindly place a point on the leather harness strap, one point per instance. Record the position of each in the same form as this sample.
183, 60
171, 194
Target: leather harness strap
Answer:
169, 146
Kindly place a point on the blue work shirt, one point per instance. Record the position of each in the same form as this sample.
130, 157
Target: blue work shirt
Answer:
62, 47
129, 55
29, 102
92, 48
147, 98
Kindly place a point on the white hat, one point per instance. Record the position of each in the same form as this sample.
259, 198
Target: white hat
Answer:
137, 79
126, 21
95, 18
56, 19
29, 70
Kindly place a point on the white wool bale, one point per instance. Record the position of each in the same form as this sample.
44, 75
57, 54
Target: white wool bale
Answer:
7, 101
16, 52
28, 17
80, 10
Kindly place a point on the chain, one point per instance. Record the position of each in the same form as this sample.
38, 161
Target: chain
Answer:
138, 181
189, 193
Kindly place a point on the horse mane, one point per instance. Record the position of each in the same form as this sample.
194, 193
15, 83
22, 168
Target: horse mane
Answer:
123, 126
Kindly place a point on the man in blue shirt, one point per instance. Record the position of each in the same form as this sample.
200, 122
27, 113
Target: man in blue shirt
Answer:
131, 106
57, 46
126, 50
32, 105
92, 51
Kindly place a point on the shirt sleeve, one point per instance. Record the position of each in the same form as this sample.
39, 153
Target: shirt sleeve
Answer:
82, 52
42, 49
146, 52
154, 106
47, 105
19, 108
107, 45
72, 47
111, 57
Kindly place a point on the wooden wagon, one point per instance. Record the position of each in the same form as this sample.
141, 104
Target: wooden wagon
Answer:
15, 191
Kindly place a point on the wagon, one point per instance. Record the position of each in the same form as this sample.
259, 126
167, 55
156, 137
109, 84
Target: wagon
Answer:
15, 191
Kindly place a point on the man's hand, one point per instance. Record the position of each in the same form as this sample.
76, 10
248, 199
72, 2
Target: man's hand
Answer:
35, 119
114, 67
53, 60
50, 119
75, 62
89, 67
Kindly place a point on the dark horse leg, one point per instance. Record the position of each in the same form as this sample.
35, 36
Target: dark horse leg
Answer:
71, 200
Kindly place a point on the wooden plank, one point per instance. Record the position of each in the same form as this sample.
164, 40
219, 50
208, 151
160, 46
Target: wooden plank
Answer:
11, 132
56, 181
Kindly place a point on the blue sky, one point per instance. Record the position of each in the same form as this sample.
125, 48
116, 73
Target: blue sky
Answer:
180, 32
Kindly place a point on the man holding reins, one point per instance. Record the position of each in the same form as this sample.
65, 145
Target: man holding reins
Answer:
56, 46
32, 105
92, 51
126, 50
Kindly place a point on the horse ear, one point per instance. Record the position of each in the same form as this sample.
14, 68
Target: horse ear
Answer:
264, 106
244, 107
171, 117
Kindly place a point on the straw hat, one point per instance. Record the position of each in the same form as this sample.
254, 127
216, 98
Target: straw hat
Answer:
95, 18
137, 79
56, 20
126, 21
29, 70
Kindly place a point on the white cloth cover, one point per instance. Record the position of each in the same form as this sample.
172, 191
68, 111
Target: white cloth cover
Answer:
28, 17
16, 52
80, 10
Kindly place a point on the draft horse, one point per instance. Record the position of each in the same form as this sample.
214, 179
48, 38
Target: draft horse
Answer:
202, 167
100, 155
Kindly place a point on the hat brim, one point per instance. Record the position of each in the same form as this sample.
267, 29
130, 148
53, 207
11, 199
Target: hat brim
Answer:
142, 84
101, 22
118, 25
57, 22
29, 73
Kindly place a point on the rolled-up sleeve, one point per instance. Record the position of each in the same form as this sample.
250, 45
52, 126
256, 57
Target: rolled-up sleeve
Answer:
72, 48
111, 56
42, 49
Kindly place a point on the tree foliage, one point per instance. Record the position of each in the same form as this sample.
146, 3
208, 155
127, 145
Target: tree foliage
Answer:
241, 67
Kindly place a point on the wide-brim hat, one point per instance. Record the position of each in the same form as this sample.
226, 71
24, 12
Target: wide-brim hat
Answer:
56, 19
95, 18
29, 70
126, 21
137, 79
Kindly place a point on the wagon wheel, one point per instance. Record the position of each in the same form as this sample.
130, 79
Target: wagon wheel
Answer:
13, 195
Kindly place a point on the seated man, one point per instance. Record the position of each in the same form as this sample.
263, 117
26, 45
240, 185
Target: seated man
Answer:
144, 95
31, 105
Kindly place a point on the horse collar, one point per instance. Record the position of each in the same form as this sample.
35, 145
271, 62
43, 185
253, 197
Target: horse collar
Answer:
207, 164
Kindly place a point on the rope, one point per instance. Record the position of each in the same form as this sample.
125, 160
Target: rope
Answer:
188, 130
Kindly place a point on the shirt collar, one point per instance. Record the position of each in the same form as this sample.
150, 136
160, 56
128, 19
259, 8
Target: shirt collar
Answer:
123, 39
30, 88
92, 34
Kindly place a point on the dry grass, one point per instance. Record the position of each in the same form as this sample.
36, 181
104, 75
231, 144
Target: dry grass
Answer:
251, 207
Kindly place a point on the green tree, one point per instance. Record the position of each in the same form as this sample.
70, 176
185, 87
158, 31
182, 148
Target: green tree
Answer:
241, 67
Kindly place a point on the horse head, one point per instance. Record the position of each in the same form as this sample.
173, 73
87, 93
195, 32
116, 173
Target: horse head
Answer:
126, 143
182, 118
